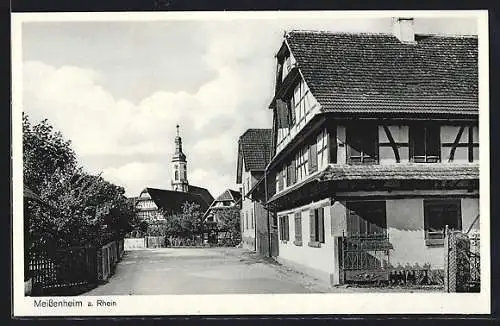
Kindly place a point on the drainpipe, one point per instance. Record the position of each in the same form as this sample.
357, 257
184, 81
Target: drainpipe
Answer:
267, 212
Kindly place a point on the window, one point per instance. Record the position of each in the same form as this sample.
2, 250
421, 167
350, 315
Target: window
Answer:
425, 144
284, 176
287, 66
176, 173
362, 140
298, 229
366, 218
280, 179
316, 227
253, 220
184, 171
284, 228
322, 145
302, 160
438, 214
300, 101
246, 220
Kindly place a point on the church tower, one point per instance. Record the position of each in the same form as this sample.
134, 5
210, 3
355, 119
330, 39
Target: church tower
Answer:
179, 166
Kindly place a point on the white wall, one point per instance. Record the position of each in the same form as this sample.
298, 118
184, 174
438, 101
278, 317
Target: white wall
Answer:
318, 262
405, 226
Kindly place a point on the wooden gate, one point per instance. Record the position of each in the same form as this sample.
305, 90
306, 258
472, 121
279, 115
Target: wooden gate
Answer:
364, 258
63, 271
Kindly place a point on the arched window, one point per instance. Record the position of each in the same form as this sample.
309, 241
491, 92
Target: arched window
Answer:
176, 175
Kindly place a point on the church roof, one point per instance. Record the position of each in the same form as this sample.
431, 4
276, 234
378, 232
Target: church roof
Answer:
204, 193
172, 201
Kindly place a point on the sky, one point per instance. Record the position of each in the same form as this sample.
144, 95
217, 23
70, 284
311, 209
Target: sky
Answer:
117, 89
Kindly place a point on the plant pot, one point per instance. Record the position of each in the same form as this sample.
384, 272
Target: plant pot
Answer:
28, 287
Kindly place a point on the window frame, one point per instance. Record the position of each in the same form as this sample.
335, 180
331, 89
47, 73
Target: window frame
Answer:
317, 227
363, 223
436, 238
284, 228
426, 158
322, 149
351, 131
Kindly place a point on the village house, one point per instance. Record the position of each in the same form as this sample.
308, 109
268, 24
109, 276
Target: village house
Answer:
254, 151
375, 150
229, 199
224, 211
152, 200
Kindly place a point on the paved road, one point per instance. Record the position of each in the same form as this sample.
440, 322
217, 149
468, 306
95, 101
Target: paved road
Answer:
197, 271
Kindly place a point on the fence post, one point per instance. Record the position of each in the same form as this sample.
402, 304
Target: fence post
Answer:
446, 260
99, 263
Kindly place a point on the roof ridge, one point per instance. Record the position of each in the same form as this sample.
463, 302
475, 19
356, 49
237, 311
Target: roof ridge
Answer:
323, 31
255, 129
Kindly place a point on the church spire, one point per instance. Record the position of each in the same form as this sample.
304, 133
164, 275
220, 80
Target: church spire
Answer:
179, 165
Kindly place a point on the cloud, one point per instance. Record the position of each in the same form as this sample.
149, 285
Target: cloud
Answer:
100, 125
117, 89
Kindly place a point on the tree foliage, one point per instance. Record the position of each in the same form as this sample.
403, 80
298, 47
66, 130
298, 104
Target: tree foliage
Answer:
228, 220
84, 209
186, 223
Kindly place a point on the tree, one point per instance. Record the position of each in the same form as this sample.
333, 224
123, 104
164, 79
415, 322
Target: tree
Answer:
228, 221
86, 209
185, 224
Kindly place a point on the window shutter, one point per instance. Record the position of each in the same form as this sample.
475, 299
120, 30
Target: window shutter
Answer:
332, 143
321, 225
313, 158
298, 227
280, 180
282, 113
312, 226
287, 230
292, 112
293, 174
281, 228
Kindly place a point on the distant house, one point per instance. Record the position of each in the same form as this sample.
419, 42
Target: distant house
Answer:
375, 149
254, 152
229, 199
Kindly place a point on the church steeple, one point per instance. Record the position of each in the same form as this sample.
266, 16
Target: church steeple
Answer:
179, 166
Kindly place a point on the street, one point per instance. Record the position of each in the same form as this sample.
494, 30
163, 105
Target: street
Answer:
199, 271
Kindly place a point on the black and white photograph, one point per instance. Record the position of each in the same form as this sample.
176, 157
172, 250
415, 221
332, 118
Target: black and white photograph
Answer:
250, 163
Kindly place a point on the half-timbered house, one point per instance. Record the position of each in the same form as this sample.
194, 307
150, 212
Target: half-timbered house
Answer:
375, 149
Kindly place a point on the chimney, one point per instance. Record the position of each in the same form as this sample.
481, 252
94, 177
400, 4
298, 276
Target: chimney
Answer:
403, 29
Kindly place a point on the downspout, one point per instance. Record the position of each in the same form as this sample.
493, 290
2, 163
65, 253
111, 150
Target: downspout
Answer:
267, 212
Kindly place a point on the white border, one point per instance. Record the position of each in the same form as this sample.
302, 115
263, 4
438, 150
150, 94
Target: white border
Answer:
359, 303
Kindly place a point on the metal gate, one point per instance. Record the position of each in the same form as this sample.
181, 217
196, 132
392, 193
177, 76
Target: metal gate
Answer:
364, 258
462, 262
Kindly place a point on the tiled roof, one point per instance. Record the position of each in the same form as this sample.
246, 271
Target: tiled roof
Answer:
172, 201
437, 171
229, 194
378, 73
204, 193
255, 146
